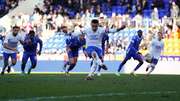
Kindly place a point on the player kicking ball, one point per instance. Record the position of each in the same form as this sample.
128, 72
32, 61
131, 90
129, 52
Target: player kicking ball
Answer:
94, 35
10, 48
133, 52
31, 42
73, 44
156, 48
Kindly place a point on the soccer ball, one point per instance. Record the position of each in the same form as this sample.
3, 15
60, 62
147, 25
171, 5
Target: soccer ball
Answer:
148, 58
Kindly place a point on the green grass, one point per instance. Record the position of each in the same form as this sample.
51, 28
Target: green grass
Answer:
108, 87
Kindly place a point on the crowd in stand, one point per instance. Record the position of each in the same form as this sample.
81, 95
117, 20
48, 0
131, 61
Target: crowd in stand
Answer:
6, 5
76, 14
71, 7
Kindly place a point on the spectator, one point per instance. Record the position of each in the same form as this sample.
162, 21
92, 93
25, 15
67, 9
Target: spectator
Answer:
158, 4
174, 10
154, 14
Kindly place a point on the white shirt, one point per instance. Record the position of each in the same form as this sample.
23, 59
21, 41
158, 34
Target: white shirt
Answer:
156, 48
0, 47
12, 41
95, 38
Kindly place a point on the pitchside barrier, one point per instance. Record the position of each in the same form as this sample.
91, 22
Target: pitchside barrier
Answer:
166, 65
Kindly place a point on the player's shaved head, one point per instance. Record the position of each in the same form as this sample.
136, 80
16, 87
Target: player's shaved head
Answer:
31, 33
140, 33
95, 21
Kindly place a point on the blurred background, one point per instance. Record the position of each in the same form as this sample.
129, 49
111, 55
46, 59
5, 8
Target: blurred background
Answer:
48, 17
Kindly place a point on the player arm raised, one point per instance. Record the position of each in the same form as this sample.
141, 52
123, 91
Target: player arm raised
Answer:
113, 30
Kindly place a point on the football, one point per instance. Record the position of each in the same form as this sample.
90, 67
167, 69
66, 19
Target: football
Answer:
148, 58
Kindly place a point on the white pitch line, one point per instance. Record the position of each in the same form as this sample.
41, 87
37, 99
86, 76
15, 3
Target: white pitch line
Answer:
94, 95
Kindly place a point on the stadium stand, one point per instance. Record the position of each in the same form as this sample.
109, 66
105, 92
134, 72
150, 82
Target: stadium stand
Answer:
7, 5
144, 14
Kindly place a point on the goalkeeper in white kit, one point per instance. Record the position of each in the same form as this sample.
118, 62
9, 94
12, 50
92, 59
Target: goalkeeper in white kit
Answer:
156, 48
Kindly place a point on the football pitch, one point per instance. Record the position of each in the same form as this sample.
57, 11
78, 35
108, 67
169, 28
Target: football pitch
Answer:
108, 87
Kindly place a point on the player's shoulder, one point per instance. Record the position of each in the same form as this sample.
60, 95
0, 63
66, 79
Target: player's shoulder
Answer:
154, 39
8, 35
162, 42
135, 37
86, 28
101, 29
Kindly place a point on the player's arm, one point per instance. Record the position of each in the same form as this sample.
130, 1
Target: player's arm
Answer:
114, 30
107, 44
162, 48
21, 40
132, 43
84, 48
68, 44
40, 45
84, 45
5, 45
1, 37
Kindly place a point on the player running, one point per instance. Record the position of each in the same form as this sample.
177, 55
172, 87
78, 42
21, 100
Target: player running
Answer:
133, 52
156, 48
10, 48
31, 42
94, 36
73, 44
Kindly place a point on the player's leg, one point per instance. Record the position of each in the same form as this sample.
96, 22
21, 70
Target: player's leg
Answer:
122, 64
98, 58
72, 55
93, 66
6, 62
139, 58
72, 64
99, 67
66, 62
24, 61
13, 61
152, 65
91, 54
33, 58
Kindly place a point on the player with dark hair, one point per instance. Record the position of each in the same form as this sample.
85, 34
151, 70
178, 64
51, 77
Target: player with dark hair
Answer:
31, 42
156, 48
73, 44
10, 48
94, 35
133, 52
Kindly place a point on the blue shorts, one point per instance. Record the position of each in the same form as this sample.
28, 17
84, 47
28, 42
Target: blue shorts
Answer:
90, 49
133, 55
154, 61
7, 55
72, 54
32, 56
